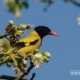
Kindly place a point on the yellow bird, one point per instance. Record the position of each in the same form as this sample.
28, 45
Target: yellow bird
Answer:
33, 40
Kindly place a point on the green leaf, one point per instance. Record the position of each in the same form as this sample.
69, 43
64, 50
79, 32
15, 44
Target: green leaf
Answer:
9, 64
14, 61
5, 43
4, 60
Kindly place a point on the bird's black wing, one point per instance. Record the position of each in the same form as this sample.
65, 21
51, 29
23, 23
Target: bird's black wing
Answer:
34, 42
23, 44
19, 44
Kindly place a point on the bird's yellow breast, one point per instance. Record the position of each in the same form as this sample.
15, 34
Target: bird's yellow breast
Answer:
30, 38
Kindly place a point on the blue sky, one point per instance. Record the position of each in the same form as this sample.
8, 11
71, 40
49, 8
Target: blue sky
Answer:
65, 50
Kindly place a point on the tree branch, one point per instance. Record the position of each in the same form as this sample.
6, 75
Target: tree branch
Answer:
33, 75
75, 3
30, 68
28, 71
2, 36
8, 77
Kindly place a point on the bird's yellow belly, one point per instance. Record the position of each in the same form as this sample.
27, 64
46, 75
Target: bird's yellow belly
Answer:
29, 49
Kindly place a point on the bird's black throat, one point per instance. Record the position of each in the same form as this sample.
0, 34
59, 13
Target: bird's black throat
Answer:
41, 34
42, 31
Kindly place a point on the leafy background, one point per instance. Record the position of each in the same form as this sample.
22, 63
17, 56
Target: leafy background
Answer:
65, 50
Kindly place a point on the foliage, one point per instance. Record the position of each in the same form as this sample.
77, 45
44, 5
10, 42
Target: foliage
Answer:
14, 6
14, 58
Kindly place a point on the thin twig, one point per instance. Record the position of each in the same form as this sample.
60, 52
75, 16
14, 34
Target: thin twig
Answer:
28, 71
8, 77
33, 75
30, 68
2, 36
75, 2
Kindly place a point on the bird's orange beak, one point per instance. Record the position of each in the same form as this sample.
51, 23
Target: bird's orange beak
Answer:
53, 33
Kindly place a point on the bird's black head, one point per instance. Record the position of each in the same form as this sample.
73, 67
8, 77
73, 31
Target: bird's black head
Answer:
43, 31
